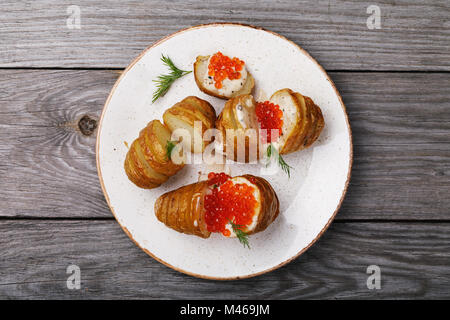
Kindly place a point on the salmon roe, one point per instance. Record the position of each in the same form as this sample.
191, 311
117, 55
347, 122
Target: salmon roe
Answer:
228, 202
216, 179
269, 117
221, 67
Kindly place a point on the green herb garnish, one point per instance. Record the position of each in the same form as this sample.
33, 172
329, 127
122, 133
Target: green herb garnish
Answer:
241, 235
163, 82
284, 166
169, 147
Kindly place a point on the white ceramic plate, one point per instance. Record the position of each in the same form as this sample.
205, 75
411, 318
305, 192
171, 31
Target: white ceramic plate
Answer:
309, 199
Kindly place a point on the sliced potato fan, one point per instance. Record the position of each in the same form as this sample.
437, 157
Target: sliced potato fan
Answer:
155, 155
189, 119
147, 163
302, 120
154, 140
302, 123
184, 209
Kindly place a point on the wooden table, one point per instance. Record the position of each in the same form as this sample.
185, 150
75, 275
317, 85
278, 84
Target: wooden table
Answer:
395, 83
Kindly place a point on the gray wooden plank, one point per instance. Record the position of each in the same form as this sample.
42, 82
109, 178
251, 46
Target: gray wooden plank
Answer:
413, 259
45, 159
400, 122
414, 34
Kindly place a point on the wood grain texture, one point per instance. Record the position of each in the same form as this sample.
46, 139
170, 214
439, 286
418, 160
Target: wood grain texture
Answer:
400, 123
413, 259
414, 34
46, 162
401, 136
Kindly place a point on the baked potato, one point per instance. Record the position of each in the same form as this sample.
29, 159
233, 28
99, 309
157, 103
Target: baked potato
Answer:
302, 120
300, 123
239, 129
194, 116
147, 163
248, 204
226, 86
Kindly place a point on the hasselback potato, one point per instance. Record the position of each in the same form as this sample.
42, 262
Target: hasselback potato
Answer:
296, 119
240, 144
147, 163
193, 115
221, 204
302, 120
154, 157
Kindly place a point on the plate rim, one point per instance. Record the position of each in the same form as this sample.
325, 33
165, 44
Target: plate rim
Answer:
127, 232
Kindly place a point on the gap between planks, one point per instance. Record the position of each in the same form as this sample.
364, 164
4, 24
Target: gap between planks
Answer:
122, 69
413, 221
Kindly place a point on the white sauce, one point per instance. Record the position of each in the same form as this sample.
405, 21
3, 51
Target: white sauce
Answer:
229, 87
245, 114
241, 114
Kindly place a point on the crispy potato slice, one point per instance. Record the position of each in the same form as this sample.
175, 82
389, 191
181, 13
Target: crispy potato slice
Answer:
203, 106
150, 173
302, 129
135, 176
139, 171
200, 71
314, 120
307, 125
153, 140
296, 120
193, 140
184, 115
269, 203
319, 121
147, 164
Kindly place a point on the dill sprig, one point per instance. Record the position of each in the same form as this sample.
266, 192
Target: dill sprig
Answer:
169, 147
240, 234
284, 166
164, 81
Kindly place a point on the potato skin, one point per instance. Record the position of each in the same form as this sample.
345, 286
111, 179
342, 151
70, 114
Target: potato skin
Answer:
134, 173
270, 205
304, 133
296, 139
180, 208
195, 109
228, 120
199, 67
146, 163
309, 125
319, 124
189, 110
155, 153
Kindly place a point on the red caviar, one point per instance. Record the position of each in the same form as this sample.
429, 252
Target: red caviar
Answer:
228, 202
270, 117
217, 178
221, 67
